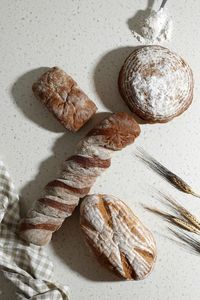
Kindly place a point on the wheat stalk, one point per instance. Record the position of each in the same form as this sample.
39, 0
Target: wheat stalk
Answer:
175, 220
183, 211
164, 172
185, 225
187, 239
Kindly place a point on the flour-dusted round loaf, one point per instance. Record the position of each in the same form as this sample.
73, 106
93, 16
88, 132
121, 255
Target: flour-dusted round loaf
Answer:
156, 83
117, 237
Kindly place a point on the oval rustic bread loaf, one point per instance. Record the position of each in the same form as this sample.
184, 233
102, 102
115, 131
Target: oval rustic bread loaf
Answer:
117, 237
156, 83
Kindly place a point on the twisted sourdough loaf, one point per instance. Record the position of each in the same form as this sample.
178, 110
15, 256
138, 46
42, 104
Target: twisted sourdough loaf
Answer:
60, 93
79, 173
117, 237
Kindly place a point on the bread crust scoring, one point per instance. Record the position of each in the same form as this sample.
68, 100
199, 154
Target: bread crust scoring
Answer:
156, 83
117, 237
78, 174
62, 96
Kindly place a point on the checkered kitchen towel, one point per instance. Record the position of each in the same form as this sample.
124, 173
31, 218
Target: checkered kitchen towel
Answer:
26, 266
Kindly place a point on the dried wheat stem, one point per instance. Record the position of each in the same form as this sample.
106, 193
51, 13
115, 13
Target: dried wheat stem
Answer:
185, 225
195, 194
192, 242
184, 212
175, 220
158, 212
164, 172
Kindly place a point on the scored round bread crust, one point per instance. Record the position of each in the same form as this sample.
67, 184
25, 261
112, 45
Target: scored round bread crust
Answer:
117, 237
139, 84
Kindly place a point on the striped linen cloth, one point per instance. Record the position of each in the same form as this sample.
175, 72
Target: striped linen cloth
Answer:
25, 265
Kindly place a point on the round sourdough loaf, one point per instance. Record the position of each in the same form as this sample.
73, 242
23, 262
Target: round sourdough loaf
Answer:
156, 83
117, 237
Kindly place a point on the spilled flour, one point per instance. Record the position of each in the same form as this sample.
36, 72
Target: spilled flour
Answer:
153, 26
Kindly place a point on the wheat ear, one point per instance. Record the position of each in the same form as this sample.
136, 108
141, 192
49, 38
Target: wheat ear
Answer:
164, 172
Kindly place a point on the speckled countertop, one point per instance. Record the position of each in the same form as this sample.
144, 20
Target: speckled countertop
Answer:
90, 39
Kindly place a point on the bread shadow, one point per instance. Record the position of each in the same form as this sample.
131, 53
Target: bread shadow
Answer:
106, 75
134, 23
29, 105
49, 169
69, 245
7, 289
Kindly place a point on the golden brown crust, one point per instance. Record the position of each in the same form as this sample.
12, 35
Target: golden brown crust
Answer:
117, 131
105, 212
58, 205
76, 191
117, 237
63, 97
128, 270
27, 226
101, 257
89, 162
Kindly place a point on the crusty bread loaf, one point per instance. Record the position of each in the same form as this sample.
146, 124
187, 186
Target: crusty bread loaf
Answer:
79, 172
156, 83
63, 97
117, 237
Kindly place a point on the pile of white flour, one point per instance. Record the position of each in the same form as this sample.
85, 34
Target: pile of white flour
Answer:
153, 27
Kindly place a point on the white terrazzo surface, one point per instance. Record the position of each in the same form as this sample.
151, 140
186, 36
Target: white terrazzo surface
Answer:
90, 39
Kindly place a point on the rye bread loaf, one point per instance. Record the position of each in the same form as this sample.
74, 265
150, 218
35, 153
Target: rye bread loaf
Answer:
60, 93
